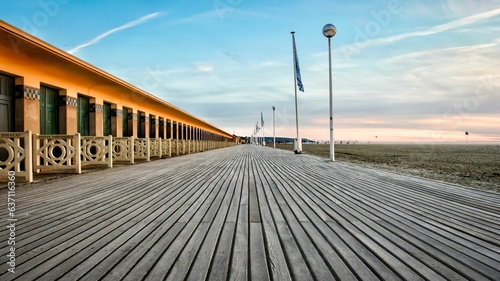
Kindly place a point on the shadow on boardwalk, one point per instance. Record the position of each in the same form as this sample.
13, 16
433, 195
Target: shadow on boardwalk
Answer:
254, 213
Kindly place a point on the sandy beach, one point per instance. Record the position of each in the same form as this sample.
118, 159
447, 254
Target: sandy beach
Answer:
476, 166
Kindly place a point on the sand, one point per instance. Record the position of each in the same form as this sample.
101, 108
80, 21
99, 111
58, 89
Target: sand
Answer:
476, 166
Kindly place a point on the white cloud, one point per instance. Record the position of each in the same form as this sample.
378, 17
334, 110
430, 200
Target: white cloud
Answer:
443, 51
204, 67
109, 32
433, 30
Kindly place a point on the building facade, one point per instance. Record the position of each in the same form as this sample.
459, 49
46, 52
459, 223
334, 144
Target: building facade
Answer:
49, 91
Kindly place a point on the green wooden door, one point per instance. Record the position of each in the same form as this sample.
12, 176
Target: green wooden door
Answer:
106, 111
161, 129
6, 110
125, 132
49, 110
83, 116
140, 125
7, 115
152, 127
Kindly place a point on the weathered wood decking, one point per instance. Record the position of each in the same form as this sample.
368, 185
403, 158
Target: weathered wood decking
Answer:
254, 213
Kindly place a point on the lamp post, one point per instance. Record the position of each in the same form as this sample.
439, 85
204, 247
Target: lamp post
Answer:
274, 126
329, 31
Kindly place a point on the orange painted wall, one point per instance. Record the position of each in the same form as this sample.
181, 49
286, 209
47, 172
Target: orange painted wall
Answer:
34, 63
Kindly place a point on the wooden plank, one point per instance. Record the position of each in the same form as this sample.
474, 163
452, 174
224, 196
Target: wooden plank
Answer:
446, 240
252, 193
319, 269
152, 228
82, 249
342, 252
191, 250
250, 213
220, 266
345, 220
90, 231
240, 253
296, 262
354, 196
258, 259
447, 252
367, 221
276, 257
161, 262
221, 261
333, 248
201, 265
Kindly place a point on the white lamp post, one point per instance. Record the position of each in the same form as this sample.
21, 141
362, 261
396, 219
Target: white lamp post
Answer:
329, 31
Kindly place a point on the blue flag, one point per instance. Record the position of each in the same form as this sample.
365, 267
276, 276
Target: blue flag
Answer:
261, 119
297, 68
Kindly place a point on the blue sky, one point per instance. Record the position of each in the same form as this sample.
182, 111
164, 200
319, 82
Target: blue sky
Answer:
406, 71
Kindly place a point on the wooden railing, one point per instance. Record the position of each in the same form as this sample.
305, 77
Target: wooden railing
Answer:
141, 149
97, 151
177, 147
183, 147
123, 149
166, 147
57, 152
24, 153
155, 148
17, 160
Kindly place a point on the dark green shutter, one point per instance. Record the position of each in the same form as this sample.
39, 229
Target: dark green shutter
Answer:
125, 132
83, 116
7, 115
106, 111
49, 110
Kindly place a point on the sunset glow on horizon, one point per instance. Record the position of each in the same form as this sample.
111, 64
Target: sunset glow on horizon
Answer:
403, 71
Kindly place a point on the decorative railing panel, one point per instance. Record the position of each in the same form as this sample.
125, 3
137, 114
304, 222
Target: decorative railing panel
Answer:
17, 158
63, 152
57, 152
177, 147
97, 150
141, 149
197, 146
166, 147
183, 147
155, 148
123, 149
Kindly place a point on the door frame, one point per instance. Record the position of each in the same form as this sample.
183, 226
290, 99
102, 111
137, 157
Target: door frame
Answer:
8, 98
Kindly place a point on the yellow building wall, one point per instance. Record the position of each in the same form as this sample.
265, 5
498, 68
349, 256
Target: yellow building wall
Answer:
34, 63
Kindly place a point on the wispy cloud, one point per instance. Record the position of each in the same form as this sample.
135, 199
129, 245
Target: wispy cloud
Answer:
109, 32
445, 51
433, 30
193, 18
217, 14
205, 68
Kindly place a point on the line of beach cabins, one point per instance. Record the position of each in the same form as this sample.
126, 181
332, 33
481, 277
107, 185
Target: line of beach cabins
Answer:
59, 112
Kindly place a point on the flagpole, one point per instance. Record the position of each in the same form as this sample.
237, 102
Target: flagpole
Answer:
263, 133
274, 126
299, 141
263, 136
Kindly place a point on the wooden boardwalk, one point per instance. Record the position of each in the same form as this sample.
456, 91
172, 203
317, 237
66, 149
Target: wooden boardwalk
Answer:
251, 213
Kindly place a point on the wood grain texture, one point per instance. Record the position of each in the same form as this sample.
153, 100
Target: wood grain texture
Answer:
251, 213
